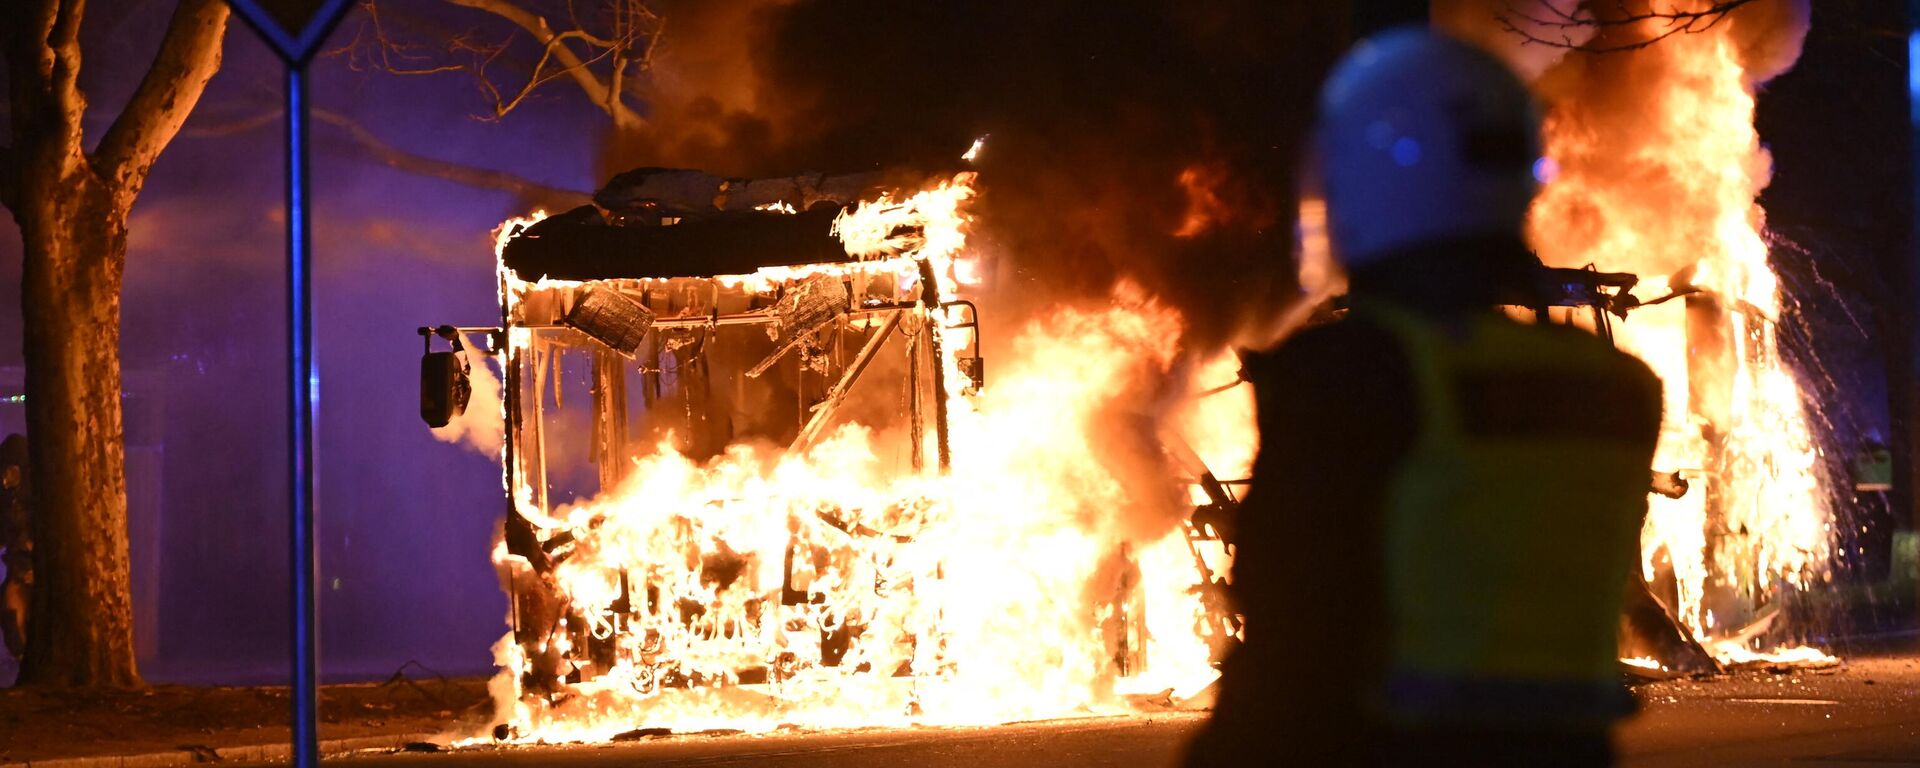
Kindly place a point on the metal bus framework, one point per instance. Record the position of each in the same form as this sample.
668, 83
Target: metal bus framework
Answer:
697, 327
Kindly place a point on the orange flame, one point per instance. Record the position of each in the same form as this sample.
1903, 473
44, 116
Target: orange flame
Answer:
1670, 193
1206, 208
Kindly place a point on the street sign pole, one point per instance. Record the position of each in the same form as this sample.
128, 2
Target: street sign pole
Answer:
306, 702
295, 29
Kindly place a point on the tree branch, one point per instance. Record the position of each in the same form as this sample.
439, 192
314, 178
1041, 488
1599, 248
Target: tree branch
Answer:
540, 76
421, 165
200, 129
596, 50
188, 57
1670, 22
388, 50
42, 44
397, 158
572, 64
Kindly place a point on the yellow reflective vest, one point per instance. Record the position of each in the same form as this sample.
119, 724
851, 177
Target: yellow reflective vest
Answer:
1513, 523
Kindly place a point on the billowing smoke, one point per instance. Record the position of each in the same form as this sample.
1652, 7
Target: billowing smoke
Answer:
1147, 141
705, 101
479, 426
1653, 145
1138, 146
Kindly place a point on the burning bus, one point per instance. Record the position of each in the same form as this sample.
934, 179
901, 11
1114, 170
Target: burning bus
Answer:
753, 482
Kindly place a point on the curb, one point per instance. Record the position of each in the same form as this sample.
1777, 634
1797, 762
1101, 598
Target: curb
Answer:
242, 754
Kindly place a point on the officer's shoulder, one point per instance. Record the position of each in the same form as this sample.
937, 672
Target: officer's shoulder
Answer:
1331, 350
1328, 340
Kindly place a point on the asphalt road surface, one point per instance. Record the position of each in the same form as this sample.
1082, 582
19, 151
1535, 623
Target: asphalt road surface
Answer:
1860, 715
1866, 713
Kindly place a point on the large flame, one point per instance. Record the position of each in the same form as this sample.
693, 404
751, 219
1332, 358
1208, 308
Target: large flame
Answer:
1038, 576
1658, 168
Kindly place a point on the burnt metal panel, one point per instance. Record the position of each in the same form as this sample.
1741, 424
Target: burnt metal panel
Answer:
581, 245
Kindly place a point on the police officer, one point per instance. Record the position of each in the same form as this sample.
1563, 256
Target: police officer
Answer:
1446, 500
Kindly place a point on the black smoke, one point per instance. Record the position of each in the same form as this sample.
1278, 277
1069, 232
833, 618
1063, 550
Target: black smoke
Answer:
1094, 112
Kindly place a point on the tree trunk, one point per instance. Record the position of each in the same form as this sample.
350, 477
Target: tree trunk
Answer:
81, 632
72, 209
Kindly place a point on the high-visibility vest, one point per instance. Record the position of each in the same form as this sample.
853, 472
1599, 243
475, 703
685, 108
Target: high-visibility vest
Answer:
1513, 523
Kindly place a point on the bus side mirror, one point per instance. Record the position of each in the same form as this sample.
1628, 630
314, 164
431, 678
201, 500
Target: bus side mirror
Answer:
444, 388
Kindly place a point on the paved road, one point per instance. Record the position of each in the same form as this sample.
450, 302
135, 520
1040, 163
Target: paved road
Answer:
1866, 713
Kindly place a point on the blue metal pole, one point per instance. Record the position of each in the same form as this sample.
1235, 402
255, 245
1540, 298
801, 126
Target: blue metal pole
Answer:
306, 700
296, 47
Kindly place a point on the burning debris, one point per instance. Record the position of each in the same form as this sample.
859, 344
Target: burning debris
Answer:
756, 479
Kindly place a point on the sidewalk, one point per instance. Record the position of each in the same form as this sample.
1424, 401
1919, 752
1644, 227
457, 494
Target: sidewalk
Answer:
180, 725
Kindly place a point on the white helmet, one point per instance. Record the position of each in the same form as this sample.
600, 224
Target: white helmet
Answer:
1422, 138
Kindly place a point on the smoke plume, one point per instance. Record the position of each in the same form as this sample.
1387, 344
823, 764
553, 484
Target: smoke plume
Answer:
479, 426
1644, 179
1147, 141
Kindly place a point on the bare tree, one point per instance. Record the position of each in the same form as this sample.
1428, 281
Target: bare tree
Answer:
1544, 23
72, 206
600, 50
